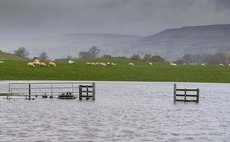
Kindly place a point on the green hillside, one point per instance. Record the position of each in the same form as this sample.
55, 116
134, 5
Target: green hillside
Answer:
7, 56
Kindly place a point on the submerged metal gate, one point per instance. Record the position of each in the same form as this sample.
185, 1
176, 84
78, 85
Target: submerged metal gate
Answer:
51, 90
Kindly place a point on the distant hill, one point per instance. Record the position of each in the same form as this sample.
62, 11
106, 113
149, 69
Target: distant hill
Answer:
71, 44
7, 56
174, 43
171, 44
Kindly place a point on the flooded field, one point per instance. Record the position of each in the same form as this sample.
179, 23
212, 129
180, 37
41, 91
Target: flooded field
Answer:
122, 111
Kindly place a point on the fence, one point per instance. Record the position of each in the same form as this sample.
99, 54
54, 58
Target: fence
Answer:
186, 95
61, 90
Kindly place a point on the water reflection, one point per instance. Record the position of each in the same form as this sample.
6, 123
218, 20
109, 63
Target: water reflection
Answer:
123, 111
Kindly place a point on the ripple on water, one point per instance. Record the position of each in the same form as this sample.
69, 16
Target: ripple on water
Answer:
123, 111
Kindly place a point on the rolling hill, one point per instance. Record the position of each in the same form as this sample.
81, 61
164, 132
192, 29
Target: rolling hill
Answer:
7, 56
171, 44
174, 43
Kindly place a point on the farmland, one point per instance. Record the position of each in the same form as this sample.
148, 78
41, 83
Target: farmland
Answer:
141, 71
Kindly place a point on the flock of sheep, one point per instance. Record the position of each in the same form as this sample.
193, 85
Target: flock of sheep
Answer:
184, 64
38, 63
101, 63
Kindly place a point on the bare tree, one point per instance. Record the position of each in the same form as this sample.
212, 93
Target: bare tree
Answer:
94, 51
147, 57
22, 52
135, 57
43, 56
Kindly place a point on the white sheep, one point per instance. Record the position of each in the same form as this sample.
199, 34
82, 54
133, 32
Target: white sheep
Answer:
51, 63
103, 64
30, 64
221, 65
150, 63
1, 62
173, 64
131, 64
71, 62
202, 65
36, 62
113, 64
43, 64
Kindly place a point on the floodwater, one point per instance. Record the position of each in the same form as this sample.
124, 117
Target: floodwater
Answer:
122, 111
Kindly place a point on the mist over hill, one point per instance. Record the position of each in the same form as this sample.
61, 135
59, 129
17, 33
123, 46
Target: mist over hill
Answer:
171, 44
175, 43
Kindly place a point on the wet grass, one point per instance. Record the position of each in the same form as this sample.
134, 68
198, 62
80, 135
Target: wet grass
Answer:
142, 71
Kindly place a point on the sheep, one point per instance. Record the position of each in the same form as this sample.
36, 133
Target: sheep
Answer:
173, 64
71, 62
1, 62
103, 64
91, 63
51, 63
202, 65
113, 64
30, 64
42, 64
36, 62
221, 65
131, 64
150, 63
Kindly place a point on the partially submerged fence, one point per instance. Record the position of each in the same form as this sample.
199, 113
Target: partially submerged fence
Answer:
186, 95
60, 90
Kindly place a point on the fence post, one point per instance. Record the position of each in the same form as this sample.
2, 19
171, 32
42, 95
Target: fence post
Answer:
185, 93
80, 92
29, 91
197, 97
174, 93
93, 91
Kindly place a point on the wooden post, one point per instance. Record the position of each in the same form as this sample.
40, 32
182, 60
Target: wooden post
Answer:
174, 93
197, 97
80, 92
29, 91
93, 91
185, 93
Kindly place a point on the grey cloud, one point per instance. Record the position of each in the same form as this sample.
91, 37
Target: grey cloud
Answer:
222, 4
140, 17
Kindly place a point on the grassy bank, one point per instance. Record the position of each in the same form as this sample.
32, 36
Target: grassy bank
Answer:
142, 71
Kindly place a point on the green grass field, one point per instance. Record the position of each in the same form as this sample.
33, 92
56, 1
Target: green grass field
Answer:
142, 71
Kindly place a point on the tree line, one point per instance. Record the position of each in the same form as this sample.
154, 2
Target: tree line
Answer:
94, 51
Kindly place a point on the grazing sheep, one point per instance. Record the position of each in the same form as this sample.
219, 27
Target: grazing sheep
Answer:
71, 62
150, 63
202, 65
221, 65
91, 63
113, 64
103, 64
36, 62
42, 64
51, 63
1, 62
30, 64
131, 64
173, 64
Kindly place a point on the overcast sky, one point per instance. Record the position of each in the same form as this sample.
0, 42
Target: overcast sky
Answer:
34, 18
